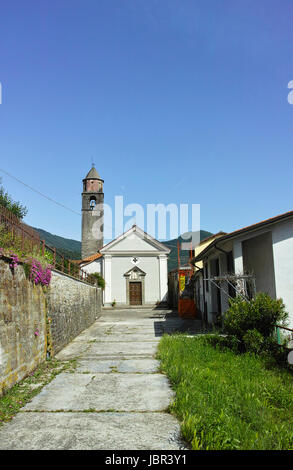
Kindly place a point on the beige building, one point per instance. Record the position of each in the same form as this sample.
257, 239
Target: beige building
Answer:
203, 245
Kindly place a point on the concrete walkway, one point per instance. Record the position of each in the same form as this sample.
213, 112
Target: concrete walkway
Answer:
116, 399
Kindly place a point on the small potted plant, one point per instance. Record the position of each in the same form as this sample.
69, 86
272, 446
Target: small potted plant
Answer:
114, 303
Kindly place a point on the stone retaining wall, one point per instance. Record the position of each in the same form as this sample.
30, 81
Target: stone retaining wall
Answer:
35, 320
72, 307
22, 325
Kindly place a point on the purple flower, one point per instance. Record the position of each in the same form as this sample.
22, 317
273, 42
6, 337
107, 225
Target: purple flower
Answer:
14, 260
38, 274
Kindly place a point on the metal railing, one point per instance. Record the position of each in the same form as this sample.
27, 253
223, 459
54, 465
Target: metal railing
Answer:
278, 328
18, 229
26, 239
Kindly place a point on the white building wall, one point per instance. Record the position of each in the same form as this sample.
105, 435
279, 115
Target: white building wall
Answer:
94, 267
163, 276
122, 264
238, 258
118, 259
132, 243
150, 265
282, 235
258, 260
107, 270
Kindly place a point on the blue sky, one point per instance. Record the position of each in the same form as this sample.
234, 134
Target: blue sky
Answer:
177, 101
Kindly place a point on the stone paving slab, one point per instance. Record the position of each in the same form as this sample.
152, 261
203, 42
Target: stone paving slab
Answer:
128, 324
115, 399
72, 350
119, 348
98, 332
125, 338
135, 366
91, 431
102, 348
104, 392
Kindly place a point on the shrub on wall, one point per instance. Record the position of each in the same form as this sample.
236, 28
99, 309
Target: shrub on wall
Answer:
97, 278
37, 273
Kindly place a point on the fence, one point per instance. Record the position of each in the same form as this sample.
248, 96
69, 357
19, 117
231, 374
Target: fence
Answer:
18, 229
27, 239
278, 327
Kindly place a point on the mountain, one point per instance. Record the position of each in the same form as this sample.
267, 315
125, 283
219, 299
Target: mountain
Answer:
184, 255
72, 248
69, 248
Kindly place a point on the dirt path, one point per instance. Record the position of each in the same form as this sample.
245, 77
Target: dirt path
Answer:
115, 398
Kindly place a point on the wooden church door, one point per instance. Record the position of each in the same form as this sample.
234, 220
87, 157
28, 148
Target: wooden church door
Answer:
135, 293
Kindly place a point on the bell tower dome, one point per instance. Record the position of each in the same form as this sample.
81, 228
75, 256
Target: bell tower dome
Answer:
92, 237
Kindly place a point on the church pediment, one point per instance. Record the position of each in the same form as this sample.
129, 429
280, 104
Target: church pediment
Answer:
135, 240
135, 273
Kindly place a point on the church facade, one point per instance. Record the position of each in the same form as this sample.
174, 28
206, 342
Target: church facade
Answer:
134, 265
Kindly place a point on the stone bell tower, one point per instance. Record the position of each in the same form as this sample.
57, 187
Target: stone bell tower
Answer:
92, 237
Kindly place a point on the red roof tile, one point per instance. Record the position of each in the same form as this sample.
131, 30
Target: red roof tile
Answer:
91, 258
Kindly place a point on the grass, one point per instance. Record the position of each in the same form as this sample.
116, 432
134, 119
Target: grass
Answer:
226, 400
21, 393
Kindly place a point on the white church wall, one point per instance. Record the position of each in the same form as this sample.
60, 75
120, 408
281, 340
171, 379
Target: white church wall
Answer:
132, 243
122, 264
150, 265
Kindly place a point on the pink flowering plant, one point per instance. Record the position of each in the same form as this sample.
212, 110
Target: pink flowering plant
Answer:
14, 260
39, 274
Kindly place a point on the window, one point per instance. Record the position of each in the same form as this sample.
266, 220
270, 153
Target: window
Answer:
93, 202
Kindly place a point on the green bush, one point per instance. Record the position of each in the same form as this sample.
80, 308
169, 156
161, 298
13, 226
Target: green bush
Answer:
253, 322
253, 341
97, 278
262, 313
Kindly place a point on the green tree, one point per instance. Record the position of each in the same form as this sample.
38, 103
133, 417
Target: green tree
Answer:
13, 206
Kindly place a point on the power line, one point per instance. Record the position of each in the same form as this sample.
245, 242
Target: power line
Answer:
54, 201
38, 192
44, 195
